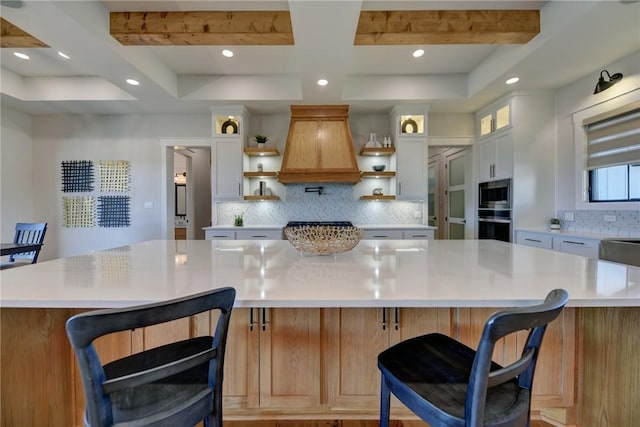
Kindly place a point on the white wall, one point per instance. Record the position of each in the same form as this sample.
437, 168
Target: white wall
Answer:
16, 179
135, 138
574, 98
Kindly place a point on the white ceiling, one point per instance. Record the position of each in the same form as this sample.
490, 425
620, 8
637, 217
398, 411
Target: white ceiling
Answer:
577, 39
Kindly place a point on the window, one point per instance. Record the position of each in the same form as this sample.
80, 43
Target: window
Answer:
613, 155
615, 183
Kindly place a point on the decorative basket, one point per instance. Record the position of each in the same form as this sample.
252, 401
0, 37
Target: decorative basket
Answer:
323, 239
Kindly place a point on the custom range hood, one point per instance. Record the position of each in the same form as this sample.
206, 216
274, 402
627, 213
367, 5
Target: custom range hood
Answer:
319, 146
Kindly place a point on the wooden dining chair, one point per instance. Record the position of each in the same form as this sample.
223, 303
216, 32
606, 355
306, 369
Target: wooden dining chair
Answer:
27, 232
446, 383
177, 384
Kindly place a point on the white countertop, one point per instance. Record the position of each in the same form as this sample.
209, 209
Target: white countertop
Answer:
571, 233
271, 273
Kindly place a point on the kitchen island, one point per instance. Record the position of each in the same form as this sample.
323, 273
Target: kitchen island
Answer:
306, 329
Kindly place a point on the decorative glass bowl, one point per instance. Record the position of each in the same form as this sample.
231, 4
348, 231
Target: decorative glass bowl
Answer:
323, 239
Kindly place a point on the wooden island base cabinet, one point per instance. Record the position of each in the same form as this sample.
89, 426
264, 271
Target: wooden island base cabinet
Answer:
306, 331
320, 363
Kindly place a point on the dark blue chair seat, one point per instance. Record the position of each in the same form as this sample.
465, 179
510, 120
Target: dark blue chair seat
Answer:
447, 383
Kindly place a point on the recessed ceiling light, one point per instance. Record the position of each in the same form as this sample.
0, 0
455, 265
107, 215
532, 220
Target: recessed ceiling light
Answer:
228, 53
323, 82
21, 55
418, 53
64, 55
133, 82
513, 80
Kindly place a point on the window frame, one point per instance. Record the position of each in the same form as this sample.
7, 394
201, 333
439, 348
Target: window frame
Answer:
581, 189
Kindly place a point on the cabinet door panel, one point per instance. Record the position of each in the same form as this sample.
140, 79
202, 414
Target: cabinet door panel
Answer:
228, 167
355, 337
290, 358
504, 155
496, 157
412, 163
241, 371
412, 322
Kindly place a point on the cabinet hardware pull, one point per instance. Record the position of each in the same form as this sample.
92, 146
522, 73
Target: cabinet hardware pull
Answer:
251, 321
384, 319
239, 189
418, 235
256, 236
573, 243
399, 188
396, 320
380, 236
532, 240
264, 319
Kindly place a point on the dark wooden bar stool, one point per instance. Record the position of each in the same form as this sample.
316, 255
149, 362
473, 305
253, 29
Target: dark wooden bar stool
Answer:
177, 384
446, 383
27, 233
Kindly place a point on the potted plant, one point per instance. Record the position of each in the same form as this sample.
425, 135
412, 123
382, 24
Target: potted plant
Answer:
238, 220
261, 140
554, 224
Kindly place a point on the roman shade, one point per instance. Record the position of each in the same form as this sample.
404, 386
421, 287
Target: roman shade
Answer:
613, 138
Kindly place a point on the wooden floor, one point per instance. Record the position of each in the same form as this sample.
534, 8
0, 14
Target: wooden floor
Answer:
339, 423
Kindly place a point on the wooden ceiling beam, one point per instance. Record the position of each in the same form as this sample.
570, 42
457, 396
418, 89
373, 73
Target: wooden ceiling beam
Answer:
447, 27
12, 36
202, 28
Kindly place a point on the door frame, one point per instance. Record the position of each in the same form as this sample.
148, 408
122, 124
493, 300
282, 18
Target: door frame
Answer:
167, 195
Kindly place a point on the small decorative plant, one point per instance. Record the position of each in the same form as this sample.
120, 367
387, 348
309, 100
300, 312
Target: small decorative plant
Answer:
261, 140
238, 220
554, 223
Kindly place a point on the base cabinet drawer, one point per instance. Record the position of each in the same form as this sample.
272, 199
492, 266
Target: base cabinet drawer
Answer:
577, 246
219, 235
534, 239
382, 234
259, 234
418, 234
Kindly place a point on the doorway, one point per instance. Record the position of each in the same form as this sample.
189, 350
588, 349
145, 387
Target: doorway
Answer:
191, 157
450, 203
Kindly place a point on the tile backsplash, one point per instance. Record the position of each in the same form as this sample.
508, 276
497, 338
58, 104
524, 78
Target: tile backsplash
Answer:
336, 203
615, 222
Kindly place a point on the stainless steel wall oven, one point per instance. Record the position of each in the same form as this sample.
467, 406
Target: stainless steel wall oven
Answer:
494, 210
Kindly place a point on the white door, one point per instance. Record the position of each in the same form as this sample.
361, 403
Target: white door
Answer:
456, 222
433, 198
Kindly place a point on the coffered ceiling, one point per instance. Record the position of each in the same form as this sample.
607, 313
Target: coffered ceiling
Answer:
281, 48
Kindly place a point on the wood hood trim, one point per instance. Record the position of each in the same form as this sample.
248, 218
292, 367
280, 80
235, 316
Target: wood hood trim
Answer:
319, 146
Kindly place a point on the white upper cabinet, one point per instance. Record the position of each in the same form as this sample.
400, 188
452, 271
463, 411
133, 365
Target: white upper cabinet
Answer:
494, 119
520, 144
409, 126
495, 142
228, 170
496, 156
230, 125
411, 174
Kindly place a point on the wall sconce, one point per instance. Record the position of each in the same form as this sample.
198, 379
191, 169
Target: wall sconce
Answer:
604, 84
180, 178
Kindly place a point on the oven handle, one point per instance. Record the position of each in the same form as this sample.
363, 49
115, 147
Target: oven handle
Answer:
500, 221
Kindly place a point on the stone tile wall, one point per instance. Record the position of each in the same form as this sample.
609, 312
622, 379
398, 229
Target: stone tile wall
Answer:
627, 223
337, 203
